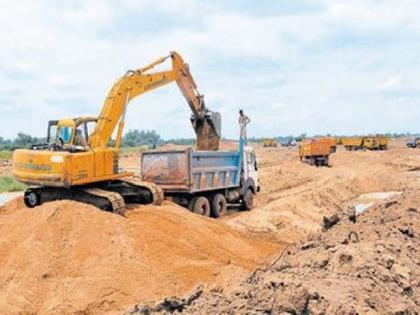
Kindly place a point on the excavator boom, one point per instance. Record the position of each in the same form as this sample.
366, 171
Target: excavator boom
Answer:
206, 124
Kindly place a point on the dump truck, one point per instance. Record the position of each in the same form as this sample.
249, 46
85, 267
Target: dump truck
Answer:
383, 142
352, 143
333, 143
267, 143
365, 143
205, 182
315, 152
80, 165
370, 143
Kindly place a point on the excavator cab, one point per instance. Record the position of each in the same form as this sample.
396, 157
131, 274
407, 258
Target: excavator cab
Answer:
69, 134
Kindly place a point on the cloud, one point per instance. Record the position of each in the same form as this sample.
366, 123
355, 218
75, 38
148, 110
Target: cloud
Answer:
391, 83
293, 66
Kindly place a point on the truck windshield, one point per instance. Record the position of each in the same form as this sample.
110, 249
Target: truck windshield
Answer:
64, 134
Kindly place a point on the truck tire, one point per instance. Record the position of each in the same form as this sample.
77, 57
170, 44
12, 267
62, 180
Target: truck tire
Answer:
201, 206
218, 206
191, 204
248, 200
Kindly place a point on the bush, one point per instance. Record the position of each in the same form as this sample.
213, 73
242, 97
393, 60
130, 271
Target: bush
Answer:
135, 138
6, 154
9, 184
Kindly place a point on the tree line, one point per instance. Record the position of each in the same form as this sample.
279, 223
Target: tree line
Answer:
136, 138
133, 138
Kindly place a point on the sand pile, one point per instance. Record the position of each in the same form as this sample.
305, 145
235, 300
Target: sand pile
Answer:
67, 257
369, 264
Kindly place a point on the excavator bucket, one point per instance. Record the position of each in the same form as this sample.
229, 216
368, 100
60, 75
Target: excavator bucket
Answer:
208, 131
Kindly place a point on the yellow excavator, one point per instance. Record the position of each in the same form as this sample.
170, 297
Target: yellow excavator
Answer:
80, 165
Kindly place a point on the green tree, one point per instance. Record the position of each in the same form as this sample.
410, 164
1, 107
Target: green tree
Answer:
135, 138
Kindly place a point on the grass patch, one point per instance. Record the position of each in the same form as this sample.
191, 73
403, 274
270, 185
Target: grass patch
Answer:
9, 184
6, 154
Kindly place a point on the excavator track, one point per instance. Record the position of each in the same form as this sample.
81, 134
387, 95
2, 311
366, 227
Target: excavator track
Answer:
114, 198
108, 196
157, 193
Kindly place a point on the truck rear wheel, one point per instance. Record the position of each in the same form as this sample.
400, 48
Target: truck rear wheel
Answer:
201, 206
218, 206
248, 200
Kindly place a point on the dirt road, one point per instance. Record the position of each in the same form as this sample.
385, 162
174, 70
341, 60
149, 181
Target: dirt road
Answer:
67, 257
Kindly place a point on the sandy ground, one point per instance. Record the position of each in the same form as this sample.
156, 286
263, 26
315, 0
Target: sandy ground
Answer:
365, 264
65, 257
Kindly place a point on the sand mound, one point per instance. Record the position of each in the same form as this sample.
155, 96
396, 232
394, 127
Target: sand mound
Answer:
366, 266
67, 257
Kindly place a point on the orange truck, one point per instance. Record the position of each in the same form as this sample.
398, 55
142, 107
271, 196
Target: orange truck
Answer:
333, 143
315, 152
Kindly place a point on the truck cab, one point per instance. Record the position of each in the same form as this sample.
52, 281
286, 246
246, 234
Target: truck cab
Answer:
250, 168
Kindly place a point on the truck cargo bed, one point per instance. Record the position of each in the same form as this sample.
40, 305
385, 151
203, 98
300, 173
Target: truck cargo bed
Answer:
315, 148
191, 171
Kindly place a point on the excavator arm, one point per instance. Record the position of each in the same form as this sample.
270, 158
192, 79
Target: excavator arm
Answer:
206, 124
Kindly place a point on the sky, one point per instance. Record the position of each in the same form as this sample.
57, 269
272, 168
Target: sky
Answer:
315, 67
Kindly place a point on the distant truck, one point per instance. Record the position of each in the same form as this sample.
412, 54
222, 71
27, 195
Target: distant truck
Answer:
333, 143
413, 143
365, 143
204, 181
383, 142
290, 142
267, 143
315, 152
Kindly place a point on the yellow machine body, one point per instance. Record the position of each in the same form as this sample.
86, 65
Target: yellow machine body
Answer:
65, 169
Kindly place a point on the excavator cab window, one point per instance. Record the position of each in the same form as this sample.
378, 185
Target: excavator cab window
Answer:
64, 134
52, 131
80, 138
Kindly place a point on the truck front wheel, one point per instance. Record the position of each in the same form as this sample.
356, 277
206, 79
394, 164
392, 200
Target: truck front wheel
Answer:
201, 206
248, 200
218, 206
